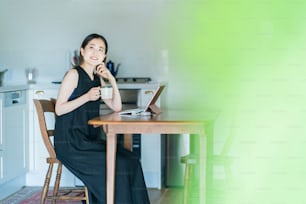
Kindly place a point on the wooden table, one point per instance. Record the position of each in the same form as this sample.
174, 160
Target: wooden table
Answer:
167, 122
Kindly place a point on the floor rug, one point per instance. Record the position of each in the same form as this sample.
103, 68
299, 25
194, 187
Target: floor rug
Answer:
30, 195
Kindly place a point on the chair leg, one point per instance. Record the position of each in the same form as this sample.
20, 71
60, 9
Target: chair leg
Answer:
86, 195
186, 183
44, 192
57, 182
194, 185
228, 171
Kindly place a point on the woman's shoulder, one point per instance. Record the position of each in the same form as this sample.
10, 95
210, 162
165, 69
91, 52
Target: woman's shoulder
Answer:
72, 73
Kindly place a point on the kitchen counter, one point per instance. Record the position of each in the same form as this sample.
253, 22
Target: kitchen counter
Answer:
13, 88
50, 85
28, 87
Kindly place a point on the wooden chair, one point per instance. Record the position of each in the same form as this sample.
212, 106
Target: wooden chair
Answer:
73, 194
222, 159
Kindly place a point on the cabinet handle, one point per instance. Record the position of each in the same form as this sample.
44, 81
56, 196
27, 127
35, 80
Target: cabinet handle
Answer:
148, 92
15, 101
39, 92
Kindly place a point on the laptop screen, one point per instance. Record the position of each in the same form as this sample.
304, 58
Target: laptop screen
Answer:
150, 106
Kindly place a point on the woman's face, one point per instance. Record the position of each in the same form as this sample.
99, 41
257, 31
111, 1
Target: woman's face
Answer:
94, 52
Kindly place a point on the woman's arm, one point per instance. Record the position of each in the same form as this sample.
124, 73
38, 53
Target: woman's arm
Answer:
67, 87
115, 102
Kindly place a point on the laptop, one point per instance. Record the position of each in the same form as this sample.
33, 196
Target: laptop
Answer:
151, 107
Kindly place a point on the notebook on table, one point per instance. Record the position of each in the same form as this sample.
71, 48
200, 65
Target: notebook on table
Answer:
150, 107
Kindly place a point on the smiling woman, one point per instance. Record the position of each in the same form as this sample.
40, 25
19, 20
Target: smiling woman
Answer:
79, 146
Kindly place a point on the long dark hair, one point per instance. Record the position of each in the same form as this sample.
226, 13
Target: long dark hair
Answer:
87, 40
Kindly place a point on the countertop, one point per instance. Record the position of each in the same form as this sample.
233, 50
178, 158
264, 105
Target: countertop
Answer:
13, 88
149, 85
28, 87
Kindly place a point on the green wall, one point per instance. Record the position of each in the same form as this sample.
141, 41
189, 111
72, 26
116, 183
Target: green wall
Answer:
247, 58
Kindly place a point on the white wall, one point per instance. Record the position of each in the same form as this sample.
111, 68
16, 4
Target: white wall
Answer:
143, 35
43, 34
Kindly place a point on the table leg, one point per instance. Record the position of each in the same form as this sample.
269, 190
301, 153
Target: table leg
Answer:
203, 168
206, 150
111, 148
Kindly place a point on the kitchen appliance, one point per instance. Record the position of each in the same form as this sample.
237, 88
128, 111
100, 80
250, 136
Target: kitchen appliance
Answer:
121, 80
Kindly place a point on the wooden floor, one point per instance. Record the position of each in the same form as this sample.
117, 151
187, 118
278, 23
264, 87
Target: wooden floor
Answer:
166, 196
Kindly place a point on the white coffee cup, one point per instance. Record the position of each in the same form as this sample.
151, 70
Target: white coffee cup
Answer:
106, 92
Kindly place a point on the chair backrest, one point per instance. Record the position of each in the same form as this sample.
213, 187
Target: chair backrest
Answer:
46, 106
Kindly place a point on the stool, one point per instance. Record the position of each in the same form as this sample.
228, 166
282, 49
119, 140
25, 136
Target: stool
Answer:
190, 161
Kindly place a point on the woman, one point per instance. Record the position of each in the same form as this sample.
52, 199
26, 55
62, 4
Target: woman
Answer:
78, 145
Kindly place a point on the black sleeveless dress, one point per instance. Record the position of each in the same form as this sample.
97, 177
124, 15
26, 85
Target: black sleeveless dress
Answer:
81, 150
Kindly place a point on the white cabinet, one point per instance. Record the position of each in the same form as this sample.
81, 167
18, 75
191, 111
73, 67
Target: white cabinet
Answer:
13, 141
13, 135
37, 150
14, 126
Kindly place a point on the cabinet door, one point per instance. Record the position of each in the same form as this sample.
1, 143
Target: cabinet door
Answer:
38, 151
1, 167
1, 122
15, 140
1, 139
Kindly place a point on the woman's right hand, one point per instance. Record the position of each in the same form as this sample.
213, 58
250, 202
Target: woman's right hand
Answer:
103, 72
94, 93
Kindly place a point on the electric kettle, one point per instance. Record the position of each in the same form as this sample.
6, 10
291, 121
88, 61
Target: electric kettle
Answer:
111, 67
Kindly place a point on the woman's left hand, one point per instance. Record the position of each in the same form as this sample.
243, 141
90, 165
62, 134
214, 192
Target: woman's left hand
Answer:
103, 71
